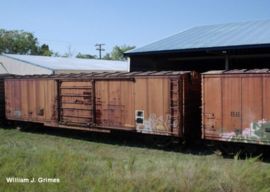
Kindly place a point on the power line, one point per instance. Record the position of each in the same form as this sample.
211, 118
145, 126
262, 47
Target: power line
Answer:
99, 48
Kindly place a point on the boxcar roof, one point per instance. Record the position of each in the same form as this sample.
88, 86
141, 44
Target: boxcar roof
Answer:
237, 71
101, 75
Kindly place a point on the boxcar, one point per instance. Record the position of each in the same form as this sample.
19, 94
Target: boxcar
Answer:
2, 98
158, 103
236, 106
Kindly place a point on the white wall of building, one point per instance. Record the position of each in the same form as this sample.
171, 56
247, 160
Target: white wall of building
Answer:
13, 66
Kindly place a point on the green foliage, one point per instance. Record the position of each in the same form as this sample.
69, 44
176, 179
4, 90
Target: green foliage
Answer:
56, 54
44, 50
107, 56
84, 165
21, 42
86, 56
118, 52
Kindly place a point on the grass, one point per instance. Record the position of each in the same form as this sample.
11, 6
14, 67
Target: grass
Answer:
83, 165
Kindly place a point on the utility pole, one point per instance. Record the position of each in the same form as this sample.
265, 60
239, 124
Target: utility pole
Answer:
99, 48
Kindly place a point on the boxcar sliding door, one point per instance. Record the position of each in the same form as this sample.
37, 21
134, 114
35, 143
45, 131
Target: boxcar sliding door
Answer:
76, 103
115, 104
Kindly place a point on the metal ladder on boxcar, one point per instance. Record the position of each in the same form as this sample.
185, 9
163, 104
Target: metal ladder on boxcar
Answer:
174, 104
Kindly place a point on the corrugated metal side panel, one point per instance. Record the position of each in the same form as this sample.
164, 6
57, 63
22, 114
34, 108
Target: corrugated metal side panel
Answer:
231, 103
212, 111
266, 97
127, 96
50, 116
2, 101
244, 108
115, 104
157, 97
24, 99
251, 100
9, 98
152, 98
30, 100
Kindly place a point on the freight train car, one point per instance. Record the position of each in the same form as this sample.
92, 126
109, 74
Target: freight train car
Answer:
236, 106
158, 103
2, 98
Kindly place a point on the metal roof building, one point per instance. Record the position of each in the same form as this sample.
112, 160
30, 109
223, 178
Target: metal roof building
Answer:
29, 64
233, 45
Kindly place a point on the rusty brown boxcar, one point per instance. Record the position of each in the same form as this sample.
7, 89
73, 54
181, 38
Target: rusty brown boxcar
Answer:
236, 106
159, 103
2, 98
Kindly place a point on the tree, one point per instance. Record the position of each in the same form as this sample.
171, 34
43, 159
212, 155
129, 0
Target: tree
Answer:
21, 42
17, 42
118, 52
56, 54
107, 56
86, 56
44, 50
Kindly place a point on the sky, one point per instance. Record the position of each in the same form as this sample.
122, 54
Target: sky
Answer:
77, 25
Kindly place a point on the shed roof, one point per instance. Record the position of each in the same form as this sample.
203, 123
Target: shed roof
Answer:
231, 35
3, 70
76, 64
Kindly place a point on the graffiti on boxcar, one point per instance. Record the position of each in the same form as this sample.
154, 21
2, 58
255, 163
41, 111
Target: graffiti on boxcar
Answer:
17, 113
258, 131
157, 124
